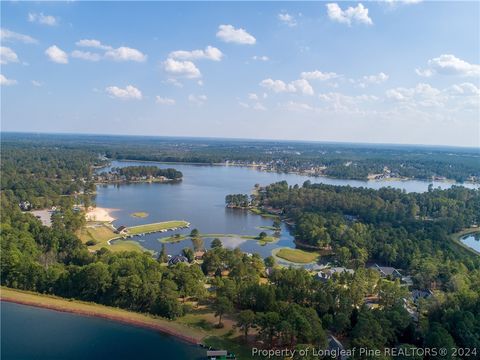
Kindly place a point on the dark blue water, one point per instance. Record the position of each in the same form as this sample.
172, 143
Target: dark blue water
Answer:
34, 333
200, 200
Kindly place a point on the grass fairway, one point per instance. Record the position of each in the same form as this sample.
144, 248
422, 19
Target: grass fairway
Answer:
140, 214
149, 228
296, 255
101, 233
174, 328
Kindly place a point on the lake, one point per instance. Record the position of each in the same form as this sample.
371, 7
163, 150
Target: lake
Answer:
35, 333
472, 241
200, 200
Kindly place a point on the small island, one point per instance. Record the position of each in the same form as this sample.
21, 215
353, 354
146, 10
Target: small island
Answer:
138, 174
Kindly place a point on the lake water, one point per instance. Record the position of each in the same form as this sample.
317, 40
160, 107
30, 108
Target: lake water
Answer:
200, 200
34, 333
472, 241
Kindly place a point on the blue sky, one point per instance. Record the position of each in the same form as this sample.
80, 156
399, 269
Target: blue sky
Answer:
387, 72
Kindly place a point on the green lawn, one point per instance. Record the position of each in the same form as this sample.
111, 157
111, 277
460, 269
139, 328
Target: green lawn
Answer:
140, 214
296, 255
101, 233
165, 225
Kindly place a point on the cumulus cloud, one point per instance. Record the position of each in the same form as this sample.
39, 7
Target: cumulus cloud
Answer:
448, 64
372, 79
197, 99
57, 55
6, 82
467, 89
93, 44
86, 55
124, 53
186, 69
338, 102
318, 75
287, 19
7, 35
422, 94
7, 55
36, 83
297, 106
278, 86
210, 53
129, 92
260, 58
164, 100
42, 19
358, 14
229, 34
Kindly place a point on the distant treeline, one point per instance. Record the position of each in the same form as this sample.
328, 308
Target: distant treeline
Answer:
132, 172
340, 160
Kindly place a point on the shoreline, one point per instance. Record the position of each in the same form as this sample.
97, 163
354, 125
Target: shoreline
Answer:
100, 214
123, 316
457, 239
256, 166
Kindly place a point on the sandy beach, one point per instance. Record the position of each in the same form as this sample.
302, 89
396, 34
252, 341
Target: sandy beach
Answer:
99, 214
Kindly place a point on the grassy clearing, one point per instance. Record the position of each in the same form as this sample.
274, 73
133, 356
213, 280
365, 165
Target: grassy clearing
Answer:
93, 309
296, 255
140, 214
175, 239
148, 228
263, 213
101, 233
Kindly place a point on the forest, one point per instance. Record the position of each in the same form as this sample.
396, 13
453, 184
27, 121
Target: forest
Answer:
287, 306
134, 173
339, 160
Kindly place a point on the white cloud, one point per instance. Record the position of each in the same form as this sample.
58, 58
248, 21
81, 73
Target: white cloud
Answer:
36, 83
129, 92
174, 82
210, 53
448, 64
358, 14
42, 19
287, 19
424, 72
260, 58
303, 86
6, 82
279, 86
297, 106
229, 34
57, 55
7, 35
253, 96
372, 79
124, 53
186, 69
197, 99
467, 89
422, 94
164, 100
93, 44
7, 55
318, 75
338, 102
86, 55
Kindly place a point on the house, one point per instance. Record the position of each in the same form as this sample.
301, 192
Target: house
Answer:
177, 259
121, 230
328, 273
199, 255
336, 347
268, 271
407, 280
387, 271
417, 295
